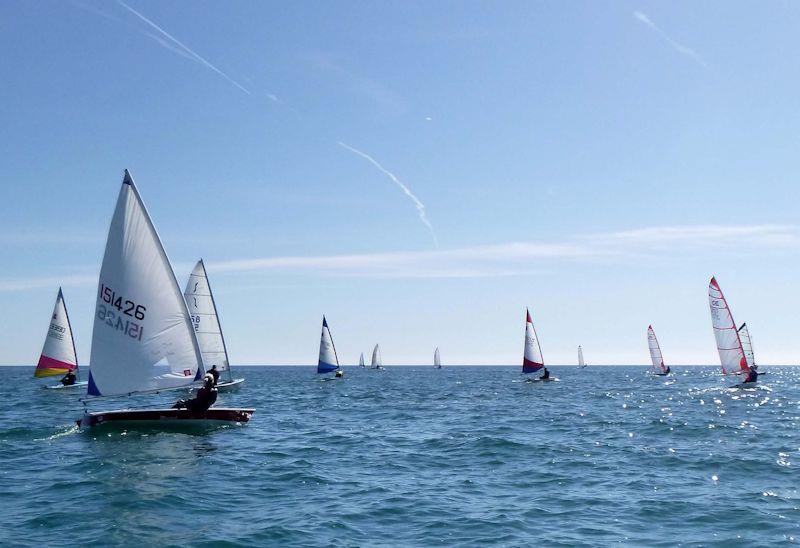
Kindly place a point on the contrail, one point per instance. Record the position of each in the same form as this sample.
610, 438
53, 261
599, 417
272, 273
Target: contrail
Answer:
680, 48
419, 205
183, 46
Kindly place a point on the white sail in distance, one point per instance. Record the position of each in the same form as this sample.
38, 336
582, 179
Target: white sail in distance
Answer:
747, 345
581, 362
655, 351
437, 359
729, 345
532, 359
58, 352
203, 311
376, 357
361, 361
143, 338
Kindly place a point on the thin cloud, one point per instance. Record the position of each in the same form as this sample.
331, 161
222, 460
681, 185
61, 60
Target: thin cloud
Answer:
179, 47
677, 46
423, 216
10, 285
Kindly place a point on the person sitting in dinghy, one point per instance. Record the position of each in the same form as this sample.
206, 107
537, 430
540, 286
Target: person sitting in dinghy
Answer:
545, 374
214, 373
204, 399
68, 379
752, 374
668, 371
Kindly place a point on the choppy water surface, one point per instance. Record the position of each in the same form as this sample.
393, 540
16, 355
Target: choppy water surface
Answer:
416, 456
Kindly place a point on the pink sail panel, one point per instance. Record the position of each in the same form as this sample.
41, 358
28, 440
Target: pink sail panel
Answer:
532, 360
655, 351
729, 344
58, 353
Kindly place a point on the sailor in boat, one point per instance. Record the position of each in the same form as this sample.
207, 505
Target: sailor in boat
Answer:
752, 374
668, 371
545, 374
68, 379
339, 374
204, 399
214, 373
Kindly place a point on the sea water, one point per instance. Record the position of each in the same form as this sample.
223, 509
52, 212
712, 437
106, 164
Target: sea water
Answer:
414, 456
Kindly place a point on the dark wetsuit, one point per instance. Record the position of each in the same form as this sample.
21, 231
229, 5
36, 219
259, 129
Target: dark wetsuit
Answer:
545, 374
667, 372
205, 398
214, 373
68, 379
752, 375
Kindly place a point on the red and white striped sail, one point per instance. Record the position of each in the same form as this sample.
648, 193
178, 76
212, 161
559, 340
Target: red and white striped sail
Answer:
729, 345
58, 353
655, 351
532, 360
747, 345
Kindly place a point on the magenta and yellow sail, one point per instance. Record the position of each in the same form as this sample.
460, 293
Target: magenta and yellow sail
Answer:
58, 353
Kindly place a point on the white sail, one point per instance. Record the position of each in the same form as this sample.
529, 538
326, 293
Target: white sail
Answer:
655, 351
747, 345
532, 357
376, 356
731, 353
437, 359
581, 363
143, 337
361, 360
58, 353
328, 360
203, 311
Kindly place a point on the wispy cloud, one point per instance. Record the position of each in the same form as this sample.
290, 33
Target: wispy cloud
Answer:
503, 259
677, 46
176, 46
423, 216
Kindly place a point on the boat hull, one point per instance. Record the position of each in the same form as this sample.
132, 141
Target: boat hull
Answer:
79, 384
157, 418
227, 386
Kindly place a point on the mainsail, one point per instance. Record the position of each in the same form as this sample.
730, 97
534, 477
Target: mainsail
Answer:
747, 345
437, 359
376, 357
532, 360
143, 338
581, 362
655, 351
328, 360
361, 361
58, 353
731, 353
203, 311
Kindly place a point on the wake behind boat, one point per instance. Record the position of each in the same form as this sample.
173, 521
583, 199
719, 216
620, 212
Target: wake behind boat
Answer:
58, 355
143, 338
207, 328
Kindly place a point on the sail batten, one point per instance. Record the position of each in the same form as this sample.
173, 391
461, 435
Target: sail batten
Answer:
532, 359
205, 320
328, 360
729, 344
143, 338
58, 352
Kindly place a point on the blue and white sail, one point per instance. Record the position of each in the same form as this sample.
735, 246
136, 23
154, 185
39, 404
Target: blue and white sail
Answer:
143, 338
328, 360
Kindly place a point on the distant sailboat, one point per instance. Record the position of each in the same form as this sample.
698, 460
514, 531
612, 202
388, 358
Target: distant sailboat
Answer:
143, 338
328, 360
361, 361
655, 353
581, 362
58, 352
437, 359
747, 345
729, 343
532, 360
203, 311
376, 358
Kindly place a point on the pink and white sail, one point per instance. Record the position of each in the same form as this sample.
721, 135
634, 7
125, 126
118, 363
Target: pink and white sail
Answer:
58, 353
655, 351
729, 344
532, 360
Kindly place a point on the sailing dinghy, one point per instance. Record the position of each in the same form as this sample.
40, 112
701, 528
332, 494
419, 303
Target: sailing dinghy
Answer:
655, 354
361, 361
328, 359
532, 360
203, 311
437, 359
58, 353
732, 355
581, 362
377, 363
143, 339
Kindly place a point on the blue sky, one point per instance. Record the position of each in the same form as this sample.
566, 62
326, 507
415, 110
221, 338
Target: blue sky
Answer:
596, 162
